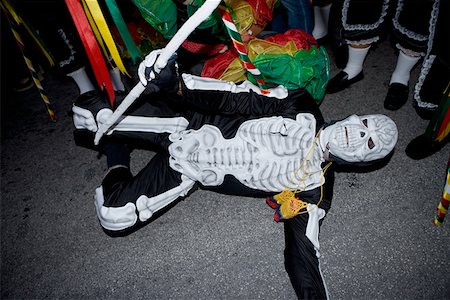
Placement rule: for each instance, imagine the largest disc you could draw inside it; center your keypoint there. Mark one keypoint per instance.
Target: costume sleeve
(214, 96)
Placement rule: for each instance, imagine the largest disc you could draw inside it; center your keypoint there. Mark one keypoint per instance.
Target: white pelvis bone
(267, 154)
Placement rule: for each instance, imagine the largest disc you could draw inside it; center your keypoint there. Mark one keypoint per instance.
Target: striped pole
(230, 25)
(445, 201)
(33, 72)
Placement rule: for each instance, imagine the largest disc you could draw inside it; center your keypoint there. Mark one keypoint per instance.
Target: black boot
(422, 147)
(341, 82)
(396, 97)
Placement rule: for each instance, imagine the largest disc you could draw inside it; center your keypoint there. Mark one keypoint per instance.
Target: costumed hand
(286, 205)
(90, 111)
(165, 79)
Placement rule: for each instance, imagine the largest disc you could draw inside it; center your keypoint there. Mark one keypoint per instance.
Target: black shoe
(422, 147)
(341, 82)
(397, 96)
(323, 40)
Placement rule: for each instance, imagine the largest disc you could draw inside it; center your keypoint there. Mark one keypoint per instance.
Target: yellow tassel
(290, 206)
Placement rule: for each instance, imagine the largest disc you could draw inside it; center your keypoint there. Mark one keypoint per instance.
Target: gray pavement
(377, 242)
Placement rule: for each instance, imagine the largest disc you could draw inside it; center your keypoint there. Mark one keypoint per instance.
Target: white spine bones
(268, 154)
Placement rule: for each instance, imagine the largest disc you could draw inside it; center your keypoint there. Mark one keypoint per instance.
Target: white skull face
(362, 138)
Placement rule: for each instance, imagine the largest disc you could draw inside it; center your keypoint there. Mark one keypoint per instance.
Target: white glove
(149, 62)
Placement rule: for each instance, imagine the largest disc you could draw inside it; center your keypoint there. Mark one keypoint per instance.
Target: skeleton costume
(233, 139)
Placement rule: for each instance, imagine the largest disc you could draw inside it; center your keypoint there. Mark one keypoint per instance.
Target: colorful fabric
(292, 59)
(304, 68)
(199, 48)
(145, 37)
(160, 14)
(212, 22)
(439, 127)
(106, 35)
(445, 200)
(286, 205)
(123, 31)
(91, 46)
(251, 12)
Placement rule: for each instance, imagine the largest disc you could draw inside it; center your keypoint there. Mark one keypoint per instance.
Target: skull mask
(360, 138)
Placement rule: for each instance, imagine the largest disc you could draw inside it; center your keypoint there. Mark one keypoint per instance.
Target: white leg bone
(148, 206)
(114, 218)
(315, 214)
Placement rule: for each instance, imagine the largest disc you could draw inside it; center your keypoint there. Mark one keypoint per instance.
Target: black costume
(227, 111)
(435, 72)
(365, 22)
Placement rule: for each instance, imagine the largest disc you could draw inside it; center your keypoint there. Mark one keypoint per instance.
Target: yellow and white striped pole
(28, 62)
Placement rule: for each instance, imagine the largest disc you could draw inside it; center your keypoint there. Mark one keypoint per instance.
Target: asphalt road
(377, 242)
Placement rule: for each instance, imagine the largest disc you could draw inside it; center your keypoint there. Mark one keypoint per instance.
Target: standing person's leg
(353, 71)
(363, 24)
(321, 12)
(299, 14)
(398, 86)
(412, 25)
(279, 19)
(56, 28)
(435, 71)
(437, 133)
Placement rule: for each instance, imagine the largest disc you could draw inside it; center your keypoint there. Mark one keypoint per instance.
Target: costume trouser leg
(302, 256)
(124, 201)
(302, 243)
(363, 22)
(58, 33)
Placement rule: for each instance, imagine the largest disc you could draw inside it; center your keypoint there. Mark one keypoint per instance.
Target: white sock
(321, 16)
(82, 80)
(356, 57)
(405, 64)
(116, 79)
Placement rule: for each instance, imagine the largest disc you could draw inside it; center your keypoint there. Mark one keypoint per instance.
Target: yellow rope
(298, 206)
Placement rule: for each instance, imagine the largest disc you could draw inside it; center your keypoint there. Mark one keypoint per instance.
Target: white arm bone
(151, 124)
